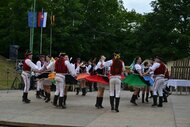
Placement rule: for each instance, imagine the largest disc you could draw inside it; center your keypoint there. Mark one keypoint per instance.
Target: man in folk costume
(28, 65)
(159, 75)
(62, 67)
(116, 69)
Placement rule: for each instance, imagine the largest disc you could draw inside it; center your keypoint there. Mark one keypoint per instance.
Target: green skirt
(134, 80)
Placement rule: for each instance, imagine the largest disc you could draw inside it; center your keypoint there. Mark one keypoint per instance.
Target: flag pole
(51, 31)
(32, 30)
(41, 40)
(41, 35)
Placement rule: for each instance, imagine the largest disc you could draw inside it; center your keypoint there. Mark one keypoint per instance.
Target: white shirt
(110, 62)
(138, 68)
(70, 68)
(77, 69)
(88, 68)
(39, 64)
(100, 65)
(31, 64)
(50, 68)
(155, 66)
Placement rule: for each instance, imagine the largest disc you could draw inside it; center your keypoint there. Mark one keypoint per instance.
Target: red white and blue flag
(42, 18)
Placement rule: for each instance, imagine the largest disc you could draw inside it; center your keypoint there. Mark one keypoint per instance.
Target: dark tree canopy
(90, 28)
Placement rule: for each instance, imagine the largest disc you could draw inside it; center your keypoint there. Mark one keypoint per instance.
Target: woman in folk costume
(116, 69)
(69, 80)
(90, 70)
(28, 65)
(39, 85)
(47, 82)
(81, 68)
(77, 69)
(62, 67)
(149, 81)
(135, 79)
(100, 70)
(159, 77)
(151, 74)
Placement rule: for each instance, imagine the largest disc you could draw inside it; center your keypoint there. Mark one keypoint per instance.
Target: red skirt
(99, 79)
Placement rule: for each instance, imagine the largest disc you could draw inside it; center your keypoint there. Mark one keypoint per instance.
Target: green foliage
(90, 28)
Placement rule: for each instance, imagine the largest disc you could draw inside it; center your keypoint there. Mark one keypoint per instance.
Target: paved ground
(81, 111)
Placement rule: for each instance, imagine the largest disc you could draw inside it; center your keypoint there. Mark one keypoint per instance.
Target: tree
(166, 30)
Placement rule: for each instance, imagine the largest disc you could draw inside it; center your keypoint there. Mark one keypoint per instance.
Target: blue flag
(32, 16)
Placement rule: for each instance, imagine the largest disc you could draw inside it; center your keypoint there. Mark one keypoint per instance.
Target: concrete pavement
(81, 111)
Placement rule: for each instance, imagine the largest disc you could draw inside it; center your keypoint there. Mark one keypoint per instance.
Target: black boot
(61, 103)
(24, 98)
(165, 98)
(142, 98)
(27, 97)
(112, 102)
(117, 99)
(138, 95)
(55, 100)
(133, 98)
(84, 91)
(42, 93)
(78, 90)
(160, 102)
(97, 102)
(100, 102)
(64, 100)
(147, 94)
(90, 87)
(38, 95)
(47, 97)
(151, 94)
(154, 100)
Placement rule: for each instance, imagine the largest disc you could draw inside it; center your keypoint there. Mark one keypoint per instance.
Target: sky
(140, 6)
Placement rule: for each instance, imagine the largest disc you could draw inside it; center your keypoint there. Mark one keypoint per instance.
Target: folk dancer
(62, 67)
(159, 75)
(39, 85)
(28, 65)
(116, 69)
(135, 79)
(100, 70)
(47, 82)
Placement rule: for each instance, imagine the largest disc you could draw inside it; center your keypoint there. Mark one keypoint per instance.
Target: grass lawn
(7, 73)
